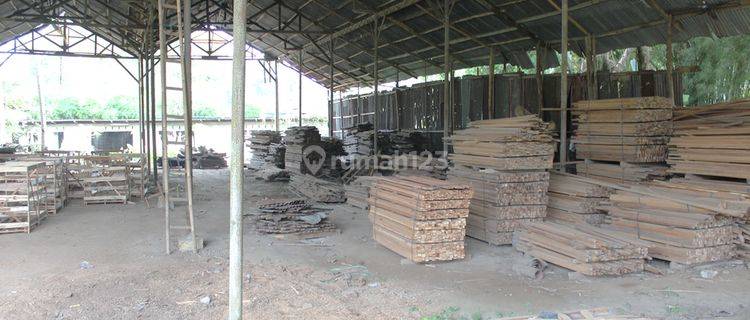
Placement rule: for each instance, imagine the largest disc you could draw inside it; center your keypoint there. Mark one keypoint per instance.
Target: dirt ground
(108, 262)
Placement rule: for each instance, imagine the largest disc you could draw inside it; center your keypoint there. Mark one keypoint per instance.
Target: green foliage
(724, 72)
(204, 113)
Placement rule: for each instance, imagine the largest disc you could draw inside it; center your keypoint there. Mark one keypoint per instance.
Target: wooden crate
(104, 185)
(23, 203)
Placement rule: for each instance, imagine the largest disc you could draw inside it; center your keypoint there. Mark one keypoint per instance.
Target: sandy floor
(342, 276)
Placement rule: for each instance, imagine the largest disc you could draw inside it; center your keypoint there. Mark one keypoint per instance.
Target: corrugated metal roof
(411, 40)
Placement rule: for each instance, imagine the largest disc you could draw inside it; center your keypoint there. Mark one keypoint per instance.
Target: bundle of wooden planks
(260, 143)
(317, 189)
(505, 161)
(293, 216)
(358, 191)
(626, 129)
(681, 222)
(359, 141)
(420, 218)
(576, 199)
(296, 140)
(622, 171)
(583, 248)
(712, 140)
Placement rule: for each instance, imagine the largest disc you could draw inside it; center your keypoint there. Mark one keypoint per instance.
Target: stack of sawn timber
(506, 162)
(422, 219)
(358, 191)
(622, 172)
(712, 140)
(576, 199)
(359, 141)
(317, 189)
(682, 222)
(296, 140)
(628, 129)
(261, 142)
(583, 248)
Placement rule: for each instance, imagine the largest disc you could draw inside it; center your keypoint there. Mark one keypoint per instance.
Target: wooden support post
(539, 80)
(639, 59)
(670, 63)
(564, 88)
(592, 91)
(491, 84)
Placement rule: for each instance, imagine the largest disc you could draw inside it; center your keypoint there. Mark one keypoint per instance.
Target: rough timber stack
(420, 218)
(359, 141)
(582, 248)
(576, 199)
(506, 162)
(682, 222)
(628, 130)
(296, 140)
(358, 191)
(261, 143)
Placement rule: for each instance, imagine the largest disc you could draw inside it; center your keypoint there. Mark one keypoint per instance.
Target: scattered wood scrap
(583, 248)
(294, 216)
(576, 199)
(207, 158)
(712, 140)
(505, 161)
(317, 189)
(420, 218)
(626, 129)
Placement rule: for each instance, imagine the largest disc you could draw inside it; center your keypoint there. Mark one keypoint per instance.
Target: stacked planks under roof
(261, 142)
(358, 191)
(682, 222)
(420, 218)
(296, 140)
(586, 249)
(359, 141)
(576, 199)
(622, 172)
(627, 129)
(712, 140)
(506, 162)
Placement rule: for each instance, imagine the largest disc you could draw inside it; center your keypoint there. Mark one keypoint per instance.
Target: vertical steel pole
(447, 107)
(670, 57)
(141, 146)
(564, 88)
(276, 88)
(187, 96)
(236, 184)
(491, 84)
(330, 105)
(164, 139)
(153, 119)
(300, 88)
(375, 121)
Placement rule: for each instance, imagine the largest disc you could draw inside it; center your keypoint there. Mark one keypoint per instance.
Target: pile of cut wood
(358, 191)
(418, 165)
(359, 141)
(627, 129)
(296, 140)
(623, 171)
(506, 162)
(295, 216)
(681, 221)
(331, 166)
(576, 199)
(420, 218)
(583, 248)
(261, 142)
(317, 189)
(712, 140)
(209, 159)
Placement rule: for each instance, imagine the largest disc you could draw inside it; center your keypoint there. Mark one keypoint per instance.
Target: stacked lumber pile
(317, 189)
(359, 141)
(421, 219)
(576, 199)
(358, 191)
(418, 165)
(506, 163)
(332, 168)
(23, 195)
(628, 129)
(623, 171)
(295, 216)
(207, 158)
(583, 248)
(712, 140)
(296, 140)
(401, 142)
(261, 143)
(682, 222)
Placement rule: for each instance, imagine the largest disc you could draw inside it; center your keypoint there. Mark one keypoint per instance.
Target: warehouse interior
(528, 189)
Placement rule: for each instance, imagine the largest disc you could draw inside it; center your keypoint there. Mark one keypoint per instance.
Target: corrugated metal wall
(420, 107)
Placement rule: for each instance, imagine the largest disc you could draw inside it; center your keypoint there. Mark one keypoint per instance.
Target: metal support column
(276, 90)
(376, 71)
(236, 156)
(141, 104)
(670, 57)
(187, 102)
(491, 84)
(330, 103)
(564, 88)
(299, 120)
(447, 105)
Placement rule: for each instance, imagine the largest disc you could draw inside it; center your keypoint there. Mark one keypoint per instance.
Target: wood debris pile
(264, 146)
(627, 129)
(209, 159)
(576, 199)
(583, 248)
(295, 216)
(506, 163)
(681, 221)
(420, 218)
(712, 140)
(317, 189)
